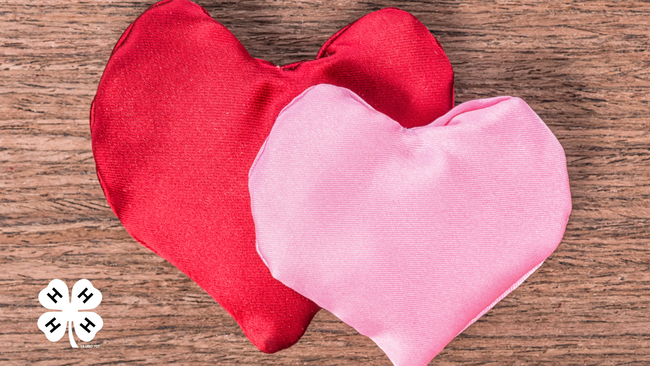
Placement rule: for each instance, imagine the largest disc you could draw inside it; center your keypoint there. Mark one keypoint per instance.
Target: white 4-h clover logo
(84, 297)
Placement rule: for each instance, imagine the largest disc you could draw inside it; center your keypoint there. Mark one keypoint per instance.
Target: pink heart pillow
(407, 235)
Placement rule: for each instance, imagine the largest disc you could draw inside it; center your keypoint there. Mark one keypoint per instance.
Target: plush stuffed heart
(183, 109)
(407, 235)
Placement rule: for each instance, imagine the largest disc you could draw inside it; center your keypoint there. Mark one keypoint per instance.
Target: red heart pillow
(181, 112)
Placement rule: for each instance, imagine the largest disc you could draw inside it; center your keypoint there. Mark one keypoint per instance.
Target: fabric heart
(181, 112)
(407, 235)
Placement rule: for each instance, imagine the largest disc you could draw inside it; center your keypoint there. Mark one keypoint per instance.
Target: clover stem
(72, 342)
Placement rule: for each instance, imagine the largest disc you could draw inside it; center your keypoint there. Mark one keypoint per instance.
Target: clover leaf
(84, 297)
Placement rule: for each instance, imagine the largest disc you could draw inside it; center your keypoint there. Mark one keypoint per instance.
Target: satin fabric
(182, 110)
(407, 235)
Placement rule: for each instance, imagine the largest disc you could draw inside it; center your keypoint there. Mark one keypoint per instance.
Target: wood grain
(582, 66)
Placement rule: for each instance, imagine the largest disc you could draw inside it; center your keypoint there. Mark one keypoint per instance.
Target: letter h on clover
(84, 297)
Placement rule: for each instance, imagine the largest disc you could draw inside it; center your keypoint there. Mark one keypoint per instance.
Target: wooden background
(582, 65)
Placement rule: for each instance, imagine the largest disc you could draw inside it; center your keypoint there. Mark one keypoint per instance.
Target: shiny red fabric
(181, 112)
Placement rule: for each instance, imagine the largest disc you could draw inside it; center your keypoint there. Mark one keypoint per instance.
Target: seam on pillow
(105, 188)
(127, 32)
(339, 33)
(502, 296)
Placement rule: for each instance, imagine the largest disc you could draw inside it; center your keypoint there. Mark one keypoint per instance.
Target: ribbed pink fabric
(407, 235)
